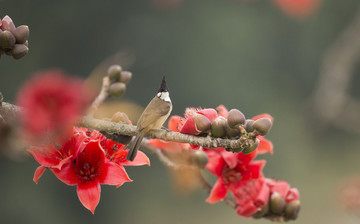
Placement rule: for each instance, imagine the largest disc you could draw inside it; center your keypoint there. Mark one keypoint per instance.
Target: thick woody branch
(130, 130)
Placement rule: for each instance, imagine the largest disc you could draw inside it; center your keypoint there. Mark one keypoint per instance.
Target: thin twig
(103, 95)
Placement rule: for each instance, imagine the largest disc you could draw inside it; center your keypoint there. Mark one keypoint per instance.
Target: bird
(153, 117)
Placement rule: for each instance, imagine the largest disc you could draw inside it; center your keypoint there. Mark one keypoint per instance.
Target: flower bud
(292, 209)
(263, 211)
(21, 33)
(218, 127)
(7, 24)
(120, 117)
(235, 118)
(19, 51)
(277, 203)
(7, 40)
(203, 123)
(262, 126)
(125, 77)
(117, 89)
(231, 132)
(200, 158)
(251, 148)
(114, 72)
(249, 125)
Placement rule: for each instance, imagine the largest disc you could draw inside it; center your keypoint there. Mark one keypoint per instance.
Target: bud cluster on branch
(13, 40)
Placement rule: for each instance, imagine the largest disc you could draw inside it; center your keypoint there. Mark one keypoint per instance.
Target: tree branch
(103, 95)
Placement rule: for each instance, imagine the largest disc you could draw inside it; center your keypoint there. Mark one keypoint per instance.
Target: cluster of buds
(278, 209)
(13, 40)
(235, 126)
(119, 79)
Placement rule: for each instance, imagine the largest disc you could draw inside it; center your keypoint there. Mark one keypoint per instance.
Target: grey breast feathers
(156, 109)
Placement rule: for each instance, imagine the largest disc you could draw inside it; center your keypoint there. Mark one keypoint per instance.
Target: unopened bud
(200, 158)
(19, 51)
(7, 40)
(218, 127)
(7, 24)
(235, 118)
(251, 148)
(292, 209)
(117, 89)
(263, 211)
(249, 125)
(231, 132)
(114, 72)
(203, 123)
(277, 203)
(262, 126)
(125, 77)
(21, 34)
(120, 117)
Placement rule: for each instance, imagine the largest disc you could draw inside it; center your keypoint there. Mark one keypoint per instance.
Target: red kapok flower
(298, 8)
(51, 102)
(88, 171)
(56, 155)
(231, 173)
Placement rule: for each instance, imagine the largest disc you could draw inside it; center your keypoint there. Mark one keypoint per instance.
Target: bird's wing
(153, 112)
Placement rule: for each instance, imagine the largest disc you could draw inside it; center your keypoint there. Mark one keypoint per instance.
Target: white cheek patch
(164, 96)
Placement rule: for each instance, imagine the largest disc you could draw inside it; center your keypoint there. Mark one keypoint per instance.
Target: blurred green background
(245, 55)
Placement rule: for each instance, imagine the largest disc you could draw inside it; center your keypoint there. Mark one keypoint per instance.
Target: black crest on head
(163, 86)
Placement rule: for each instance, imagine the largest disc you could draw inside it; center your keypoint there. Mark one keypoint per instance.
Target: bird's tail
(135, 146)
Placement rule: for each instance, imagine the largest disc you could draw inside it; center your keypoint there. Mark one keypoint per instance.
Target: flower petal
(89, 194)
(216, 163)
(210, 113)
(175, 123)
(113, 174)
(222, 111)
(189, 127)
(281, 187)
(41, 157)
(264, 146)
(218, 192)
(38, 173)
(293, 194)
(140, 159)
(62, 162)
(230, 158)
(253, 170)
(263, 115)
(66, 174)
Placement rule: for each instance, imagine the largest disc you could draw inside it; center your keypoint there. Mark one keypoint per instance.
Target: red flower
(298, 8)
(189, 126)
(87, 159)
(231, 172)
(283, 189)
(88, 171)
(56, 155)
(51, 102)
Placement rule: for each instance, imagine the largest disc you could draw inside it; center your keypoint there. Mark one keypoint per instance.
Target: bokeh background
(249, 55)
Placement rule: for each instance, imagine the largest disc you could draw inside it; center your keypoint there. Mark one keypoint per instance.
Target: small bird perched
(153, 117)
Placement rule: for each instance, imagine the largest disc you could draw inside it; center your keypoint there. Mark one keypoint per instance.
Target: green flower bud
(218, 127)
(21, 33)
(262, 126)
(114, 72)
(19, 51)
(125, 77)
(202, 123)
(292, 209)
(200, 158)
(7, 40)
(277, 203)
(120, 117)
(249, 125)
(263, 211)
(235, 118)
(231, 132)
(117, 89)
(251, 148)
